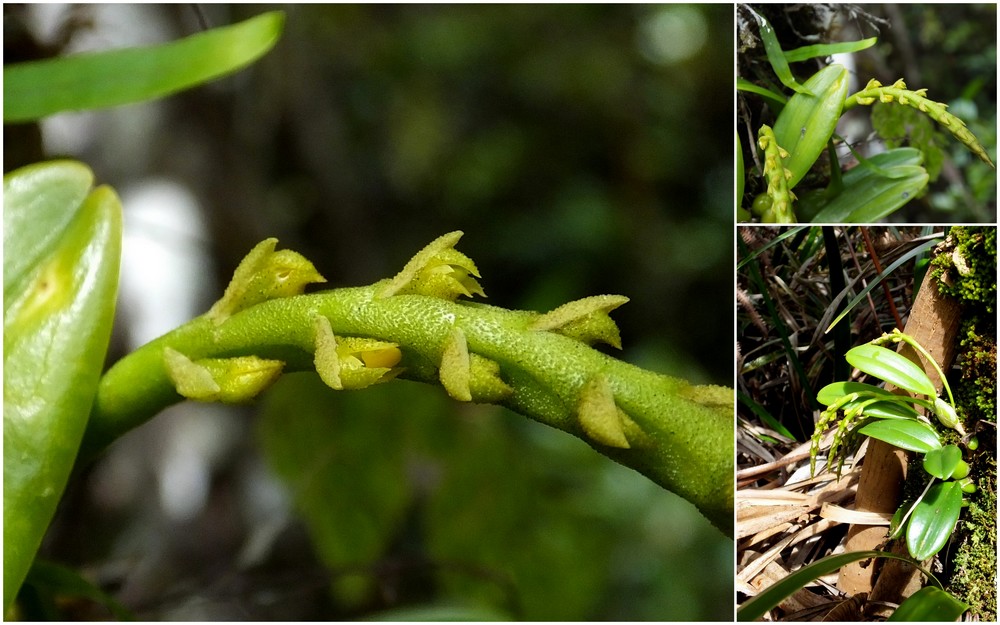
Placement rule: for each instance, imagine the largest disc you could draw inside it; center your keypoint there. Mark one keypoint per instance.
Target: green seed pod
(973, 444)
(807, 122)
(947, 416)
(961, 470)
(761, 204)
(968, 486)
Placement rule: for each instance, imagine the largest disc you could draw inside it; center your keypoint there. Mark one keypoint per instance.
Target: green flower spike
(918, 100)
(262, 275)
(414, 324)
(777, 178)
(438, 270)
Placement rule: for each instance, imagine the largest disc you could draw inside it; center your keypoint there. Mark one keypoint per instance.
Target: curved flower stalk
(918, 100)
(413, 326)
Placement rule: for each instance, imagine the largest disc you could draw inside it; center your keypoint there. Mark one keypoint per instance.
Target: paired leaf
(36, 89)
(933, 519)
(892, 367)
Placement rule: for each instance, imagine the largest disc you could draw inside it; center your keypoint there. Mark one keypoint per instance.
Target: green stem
(677, 434)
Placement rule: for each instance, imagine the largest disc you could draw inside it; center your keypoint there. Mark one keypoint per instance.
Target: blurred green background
(582, 149)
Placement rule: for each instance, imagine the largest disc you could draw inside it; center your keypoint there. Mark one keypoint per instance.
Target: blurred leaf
(59, 583)
(899, 125)
(933, 519)
(439, 613)
(36, 89)
(478, 518)
(343, 467)
(929, 604)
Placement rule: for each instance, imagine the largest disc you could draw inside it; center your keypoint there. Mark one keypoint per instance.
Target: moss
(966, 266)
(973, 568)
(975, 392)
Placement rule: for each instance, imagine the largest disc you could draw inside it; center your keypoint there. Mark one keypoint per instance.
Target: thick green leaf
(832, 392)
(807, 122)
(40, 219)
(933, 519)
(891, 367)
(942, 462)
(907, 434)
(57, 324)
(771, 596)
(872, 193)
(930, 604)
(35, 89)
